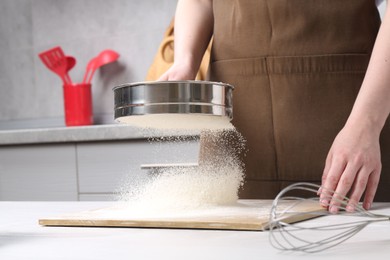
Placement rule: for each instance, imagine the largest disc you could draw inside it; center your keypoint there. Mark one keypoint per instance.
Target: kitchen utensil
(308, 238)
(173, 97)
(78, 104)
(56, 61)
(105, 57)
(71, 62)
(244, 215)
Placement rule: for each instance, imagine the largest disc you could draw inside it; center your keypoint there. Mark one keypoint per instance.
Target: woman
(308, 73)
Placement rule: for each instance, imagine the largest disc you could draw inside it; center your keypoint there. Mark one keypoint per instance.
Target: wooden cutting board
(245, 215)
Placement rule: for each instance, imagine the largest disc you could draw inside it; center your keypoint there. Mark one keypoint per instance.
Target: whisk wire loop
(304, 237)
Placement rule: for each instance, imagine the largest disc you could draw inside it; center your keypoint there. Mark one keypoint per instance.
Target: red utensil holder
(78, 104)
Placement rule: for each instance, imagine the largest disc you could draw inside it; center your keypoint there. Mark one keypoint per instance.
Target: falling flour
(215, 182)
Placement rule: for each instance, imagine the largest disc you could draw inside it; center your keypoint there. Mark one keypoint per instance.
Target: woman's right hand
(194, 22)
(178, 72)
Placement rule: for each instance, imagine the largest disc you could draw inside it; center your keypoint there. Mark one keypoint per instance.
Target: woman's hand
(194, 23)
(352, 167)
(178, 72)
(354, 161)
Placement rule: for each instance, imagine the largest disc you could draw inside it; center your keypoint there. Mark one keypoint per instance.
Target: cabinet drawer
(102, 166)
(38, 172)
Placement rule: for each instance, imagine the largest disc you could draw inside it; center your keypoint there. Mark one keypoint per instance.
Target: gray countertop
(79, 134)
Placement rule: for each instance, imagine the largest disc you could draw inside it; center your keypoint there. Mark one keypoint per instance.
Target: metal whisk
(308, 237)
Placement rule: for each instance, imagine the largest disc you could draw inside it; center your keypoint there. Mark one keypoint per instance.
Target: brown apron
(297, 66)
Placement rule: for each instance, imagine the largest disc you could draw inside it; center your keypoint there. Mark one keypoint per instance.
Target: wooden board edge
(152, 224)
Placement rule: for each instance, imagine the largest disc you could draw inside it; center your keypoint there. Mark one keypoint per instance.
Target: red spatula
(56, 61)
(105, 57)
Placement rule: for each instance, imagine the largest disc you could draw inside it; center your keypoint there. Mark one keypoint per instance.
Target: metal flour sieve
(173, 97)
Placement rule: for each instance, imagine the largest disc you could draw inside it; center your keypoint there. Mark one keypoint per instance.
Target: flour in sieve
(170, 124)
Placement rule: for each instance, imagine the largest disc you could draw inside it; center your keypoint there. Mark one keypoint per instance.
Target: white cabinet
(38, 172)
(103, 166)
(82, 170)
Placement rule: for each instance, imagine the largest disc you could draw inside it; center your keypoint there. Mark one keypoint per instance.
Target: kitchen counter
(78, 134)
(22, 238)
(81, 163)
(84, 162)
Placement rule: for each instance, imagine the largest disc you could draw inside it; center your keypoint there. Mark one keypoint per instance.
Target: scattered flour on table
(215, 182)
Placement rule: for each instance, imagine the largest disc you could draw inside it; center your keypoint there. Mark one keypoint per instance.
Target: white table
(22, 238)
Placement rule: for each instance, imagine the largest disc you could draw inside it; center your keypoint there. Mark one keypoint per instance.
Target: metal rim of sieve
(173, 97)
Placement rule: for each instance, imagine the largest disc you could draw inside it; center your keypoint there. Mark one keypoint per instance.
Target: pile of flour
(216, 181)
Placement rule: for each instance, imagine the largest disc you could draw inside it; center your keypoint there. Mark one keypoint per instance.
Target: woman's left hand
(353, 166)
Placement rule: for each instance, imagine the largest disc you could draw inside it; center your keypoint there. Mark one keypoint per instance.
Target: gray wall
(381, 6)
(30, 94)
